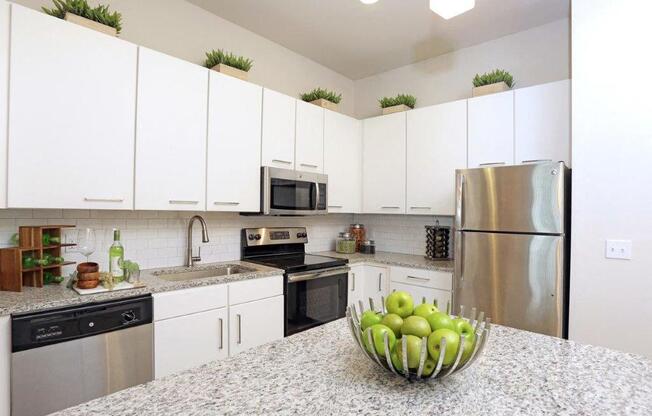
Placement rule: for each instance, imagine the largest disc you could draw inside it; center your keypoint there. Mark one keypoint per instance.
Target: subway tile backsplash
(158, 238)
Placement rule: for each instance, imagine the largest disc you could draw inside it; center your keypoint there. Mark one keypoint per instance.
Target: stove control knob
(257, 236)
(251, 236)
(303, 235)
(299, 235)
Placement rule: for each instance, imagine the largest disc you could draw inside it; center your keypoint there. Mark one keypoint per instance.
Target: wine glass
(86, 241)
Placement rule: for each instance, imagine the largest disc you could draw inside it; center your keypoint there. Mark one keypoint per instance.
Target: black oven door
(315, 298)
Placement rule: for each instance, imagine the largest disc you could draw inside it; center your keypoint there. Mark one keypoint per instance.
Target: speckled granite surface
(395, 259)
(322, 372)
(56, 296)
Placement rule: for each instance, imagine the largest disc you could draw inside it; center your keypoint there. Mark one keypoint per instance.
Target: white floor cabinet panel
(309, 137)
(170, 133)
(255, 323)
(342, 162)
(189, 341)
(436, 146)
(376, 285)
(442, 297)
(279, 115)
(72, 118)
(234, 131)
(491, 130)
(356, 286)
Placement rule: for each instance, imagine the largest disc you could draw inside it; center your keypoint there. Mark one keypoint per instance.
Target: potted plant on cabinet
(497, 80)
(228, 63)
(78, 11)
(401, 102)
(323, 98)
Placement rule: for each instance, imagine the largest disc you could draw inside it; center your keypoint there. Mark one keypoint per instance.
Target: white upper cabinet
(542, 122)
(491, 130)
(309, 137)
(234, 130)
(436, 146)
(279, 113)
(4, 84)
(343, 162)
(72, 118)
(383, 164)
(170, 133)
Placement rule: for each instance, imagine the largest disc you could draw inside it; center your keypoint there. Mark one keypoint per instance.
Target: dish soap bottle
(116, 256)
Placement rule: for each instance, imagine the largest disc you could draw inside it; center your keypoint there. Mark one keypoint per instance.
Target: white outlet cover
(618, 249)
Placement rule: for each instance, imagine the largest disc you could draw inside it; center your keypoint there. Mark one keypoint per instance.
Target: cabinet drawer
(254, 289)
(184, 302)
(441, 297)
(419, 277)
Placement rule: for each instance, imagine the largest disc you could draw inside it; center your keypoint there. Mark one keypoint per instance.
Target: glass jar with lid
(345, 243)
(358, 232)
(368, 247)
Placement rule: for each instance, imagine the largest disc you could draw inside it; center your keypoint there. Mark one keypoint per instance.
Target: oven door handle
(299, 277)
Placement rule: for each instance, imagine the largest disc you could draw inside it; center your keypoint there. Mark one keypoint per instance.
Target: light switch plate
(618, 249)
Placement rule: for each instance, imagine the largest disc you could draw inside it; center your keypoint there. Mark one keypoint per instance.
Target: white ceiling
(360, 40)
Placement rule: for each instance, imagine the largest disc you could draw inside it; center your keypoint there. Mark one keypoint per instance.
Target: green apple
(428, 367)
(416, 325)
(394, 322)
(378, 337)
(413, 350)
(398, 364)
(463, 327)
(370, 318)
(440, 320)
(467, 351)
(425, 309)
(452, 345)
(400, 303)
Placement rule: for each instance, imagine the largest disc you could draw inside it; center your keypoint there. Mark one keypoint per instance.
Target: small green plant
(100, 14)
(497, 75)
(406, 99)
(318, 93)
(216, 57)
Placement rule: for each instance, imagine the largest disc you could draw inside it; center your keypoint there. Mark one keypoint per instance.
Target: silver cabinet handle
(380, 282)
(239, 328)
(492, 163)
(226, 203)
(390, 207)
(308, 165)
(536, 161)
(352, 282)
(103, 199)
(420, 207)
(425, 279)
(335, 206)
(287, 162)
(221, 333)
(183, 202)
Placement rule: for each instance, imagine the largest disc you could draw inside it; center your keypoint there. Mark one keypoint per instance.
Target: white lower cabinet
(434, 286)
(442, 297)
(356, 285)
(376, 285)
(5, 365)
(189, 341)
(255, 323)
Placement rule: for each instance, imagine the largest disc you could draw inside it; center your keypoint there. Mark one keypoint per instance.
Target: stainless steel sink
(178, 275)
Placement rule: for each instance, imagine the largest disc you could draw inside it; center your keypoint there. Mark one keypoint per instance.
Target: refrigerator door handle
(459, 257)
(459, 219)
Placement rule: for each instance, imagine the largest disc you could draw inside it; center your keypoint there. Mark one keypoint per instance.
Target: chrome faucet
(190, 259)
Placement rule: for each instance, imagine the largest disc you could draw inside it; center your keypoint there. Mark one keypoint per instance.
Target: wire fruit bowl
(481, 328)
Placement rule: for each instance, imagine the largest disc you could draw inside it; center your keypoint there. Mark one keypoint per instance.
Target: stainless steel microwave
(290, 192)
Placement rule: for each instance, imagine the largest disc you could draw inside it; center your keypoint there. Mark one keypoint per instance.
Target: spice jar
(358, 232)
(345, 244)
(368, 247)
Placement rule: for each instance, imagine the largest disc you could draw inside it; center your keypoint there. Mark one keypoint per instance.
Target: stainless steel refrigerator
(512, 245)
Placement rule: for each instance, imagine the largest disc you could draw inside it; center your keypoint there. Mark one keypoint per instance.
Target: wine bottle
(116, 256)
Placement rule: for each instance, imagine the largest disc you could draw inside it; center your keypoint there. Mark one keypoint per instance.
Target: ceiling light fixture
(368, 1)
(450, 8)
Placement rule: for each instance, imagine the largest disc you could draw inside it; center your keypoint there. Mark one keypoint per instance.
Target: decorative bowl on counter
(426, 356)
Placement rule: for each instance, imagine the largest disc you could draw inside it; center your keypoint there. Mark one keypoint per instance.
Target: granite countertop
(322, 371)
(395, 259)
(55, 296)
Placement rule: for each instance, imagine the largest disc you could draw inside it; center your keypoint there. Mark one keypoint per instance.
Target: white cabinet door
(491, 130)
(376, 285)
(343, 162)
(542, 122)
(190, 341)
(436, 146)
(441, 297)
(170, 133)
(4, 83)
(383, 162)
(234, 129)
(279, 113)
(255, 323)
(356, 286)
(72, 118)
(310, 137)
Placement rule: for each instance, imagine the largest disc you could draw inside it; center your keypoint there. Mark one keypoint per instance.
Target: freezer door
(527, 198)
(516, 279)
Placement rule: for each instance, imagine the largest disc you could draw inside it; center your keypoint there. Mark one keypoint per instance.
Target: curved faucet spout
(190, 259)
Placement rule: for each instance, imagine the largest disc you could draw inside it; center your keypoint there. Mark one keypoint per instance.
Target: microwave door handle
(316, 196)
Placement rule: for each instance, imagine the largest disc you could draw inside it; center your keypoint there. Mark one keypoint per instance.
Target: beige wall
(186, 31)
(611, 300)
(534, 56)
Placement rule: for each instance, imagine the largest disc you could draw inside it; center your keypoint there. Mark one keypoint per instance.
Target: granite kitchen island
(322, 371)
